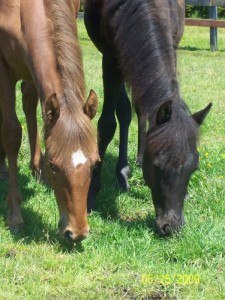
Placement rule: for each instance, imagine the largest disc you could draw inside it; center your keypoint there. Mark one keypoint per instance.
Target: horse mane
(142, 32)
(73, 126)
(142, 35)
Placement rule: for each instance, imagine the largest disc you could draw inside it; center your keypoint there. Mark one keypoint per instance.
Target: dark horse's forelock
(73, 122)
(173, 139)
(145, 48)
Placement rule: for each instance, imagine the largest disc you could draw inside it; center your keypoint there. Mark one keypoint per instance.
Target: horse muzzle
(75, 236)
(168, 224)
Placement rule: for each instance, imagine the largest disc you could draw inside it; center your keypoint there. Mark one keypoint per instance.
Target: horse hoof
(122, 178)
(15, 227)
(14, 218)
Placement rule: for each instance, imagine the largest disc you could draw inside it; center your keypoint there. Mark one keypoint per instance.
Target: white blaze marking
(78, 158)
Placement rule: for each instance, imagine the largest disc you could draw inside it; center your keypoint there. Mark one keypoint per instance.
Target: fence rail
(205, 23)
(212, 22)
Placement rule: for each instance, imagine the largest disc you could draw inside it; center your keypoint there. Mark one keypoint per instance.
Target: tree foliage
(193, 11)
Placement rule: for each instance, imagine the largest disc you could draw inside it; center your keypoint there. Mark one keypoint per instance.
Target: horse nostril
(166, 230)
(69, 236)
(72, 237)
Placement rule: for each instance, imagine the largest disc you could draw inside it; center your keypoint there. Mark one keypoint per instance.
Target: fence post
(213, 31)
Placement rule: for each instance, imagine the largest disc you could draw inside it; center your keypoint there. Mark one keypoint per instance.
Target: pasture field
(123, 258)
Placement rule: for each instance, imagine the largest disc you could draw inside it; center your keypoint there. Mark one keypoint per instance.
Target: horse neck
(44, 53)
(42, 60)
(147, 56)
(158, 71)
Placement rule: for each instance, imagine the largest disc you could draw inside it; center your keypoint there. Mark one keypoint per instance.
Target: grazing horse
(138, 41)
(38, 44)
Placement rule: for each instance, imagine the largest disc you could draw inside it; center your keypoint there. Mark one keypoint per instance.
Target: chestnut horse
(138, 41)
(38, 44)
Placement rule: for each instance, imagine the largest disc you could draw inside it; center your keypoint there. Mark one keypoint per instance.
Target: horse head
(170, 158)
(69, 163)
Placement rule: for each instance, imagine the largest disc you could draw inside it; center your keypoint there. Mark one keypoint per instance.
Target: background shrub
(202, 11)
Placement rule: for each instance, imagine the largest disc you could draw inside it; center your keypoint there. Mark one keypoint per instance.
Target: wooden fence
(212, 22)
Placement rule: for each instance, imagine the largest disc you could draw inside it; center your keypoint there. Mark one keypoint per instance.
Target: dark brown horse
(138, 41)
(38, 43)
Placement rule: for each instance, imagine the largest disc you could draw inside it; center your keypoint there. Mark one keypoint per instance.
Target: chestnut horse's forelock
(72, 123)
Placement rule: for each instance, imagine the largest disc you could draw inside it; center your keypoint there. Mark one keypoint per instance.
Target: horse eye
(52, 167)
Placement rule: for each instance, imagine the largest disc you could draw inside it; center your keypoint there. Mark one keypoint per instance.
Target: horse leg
(30, 102)
(3, 167)
(107, 122)
(11, 133)
(123, 112)
(141, 135)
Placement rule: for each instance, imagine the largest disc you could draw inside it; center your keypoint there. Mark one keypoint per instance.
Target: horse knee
(123, 111)
(107, 127)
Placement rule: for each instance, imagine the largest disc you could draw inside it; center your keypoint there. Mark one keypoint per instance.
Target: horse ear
(52, 110)
(164, 113)
(91, 105)
(199, 116)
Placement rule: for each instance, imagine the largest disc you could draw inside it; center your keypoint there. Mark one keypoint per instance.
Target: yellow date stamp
(168, 279)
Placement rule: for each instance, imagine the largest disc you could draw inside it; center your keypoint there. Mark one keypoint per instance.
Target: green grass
(122, 246)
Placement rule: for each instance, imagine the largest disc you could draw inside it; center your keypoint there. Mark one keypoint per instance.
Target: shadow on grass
(25, 190)
(190, 48)
(35, 229)
(106, 199)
